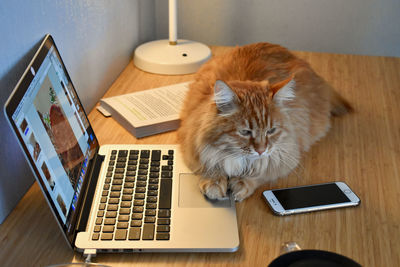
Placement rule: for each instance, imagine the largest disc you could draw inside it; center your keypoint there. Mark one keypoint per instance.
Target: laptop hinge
(88, 197)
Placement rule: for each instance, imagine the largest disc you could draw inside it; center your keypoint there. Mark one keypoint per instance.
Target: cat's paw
(214, 188)
(241, 188)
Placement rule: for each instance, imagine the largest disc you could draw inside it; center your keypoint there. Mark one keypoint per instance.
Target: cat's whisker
(295, 161)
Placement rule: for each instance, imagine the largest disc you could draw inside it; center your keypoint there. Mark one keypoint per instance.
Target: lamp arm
(173, 22)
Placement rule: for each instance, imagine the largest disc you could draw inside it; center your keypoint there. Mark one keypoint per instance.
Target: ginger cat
(250, 114)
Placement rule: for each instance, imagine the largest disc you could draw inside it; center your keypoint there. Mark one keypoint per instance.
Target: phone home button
(347, 191)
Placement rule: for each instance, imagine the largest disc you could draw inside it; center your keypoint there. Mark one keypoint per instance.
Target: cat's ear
(225, 98)
(284, 90)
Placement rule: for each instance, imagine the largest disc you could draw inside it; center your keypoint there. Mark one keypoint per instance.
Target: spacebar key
(165, 194)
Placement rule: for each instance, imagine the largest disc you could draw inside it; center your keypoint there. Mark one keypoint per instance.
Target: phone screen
(318, 195)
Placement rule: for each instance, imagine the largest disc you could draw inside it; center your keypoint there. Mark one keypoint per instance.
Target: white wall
(96, 39)
(337, 26)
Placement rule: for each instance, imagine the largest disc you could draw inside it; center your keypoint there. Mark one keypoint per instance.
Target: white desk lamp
(171, 56)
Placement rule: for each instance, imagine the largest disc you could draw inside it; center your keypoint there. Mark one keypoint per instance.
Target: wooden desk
(362, 149)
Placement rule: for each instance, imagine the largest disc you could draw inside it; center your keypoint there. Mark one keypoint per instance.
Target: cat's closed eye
(271, 131)
(245, 132)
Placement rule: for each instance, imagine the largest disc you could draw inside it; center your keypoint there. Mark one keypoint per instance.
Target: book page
(152, 105)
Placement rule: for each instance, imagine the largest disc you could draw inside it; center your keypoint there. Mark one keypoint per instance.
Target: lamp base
(163, 58)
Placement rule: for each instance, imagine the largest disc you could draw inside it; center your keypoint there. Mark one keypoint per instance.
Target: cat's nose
(260, 150)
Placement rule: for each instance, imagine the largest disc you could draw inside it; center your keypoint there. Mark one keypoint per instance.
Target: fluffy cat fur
(250, 114)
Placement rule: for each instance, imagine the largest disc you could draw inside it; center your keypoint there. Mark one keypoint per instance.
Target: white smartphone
(310, 198)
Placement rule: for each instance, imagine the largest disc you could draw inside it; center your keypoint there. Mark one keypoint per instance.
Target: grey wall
(96, 39)
(338, 26)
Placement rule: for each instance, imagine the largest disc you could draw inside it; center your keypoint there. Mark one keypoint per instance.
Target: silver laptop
(111, 198)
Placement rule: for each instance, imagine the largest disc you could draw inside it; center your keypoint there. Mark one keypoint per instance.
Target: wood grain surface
(361, 149)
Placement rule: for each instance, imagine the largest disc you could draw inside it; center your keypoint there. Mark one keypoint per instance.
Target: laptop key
(166, 174)
(136, 223)
(113, 201)
(95, 236)
(164, 221)
(151, 199)
(155, 163)
(120, 164)
(109, 221)
(124, 210)
(138, 202)
(117, 182)
(111, 214)
(137, 216)
(165, 193)
(139, 196)
(154, 169)
(162, 236)
(150, 212)
(121, 159)
(116, 188)
(108, 228)
(132, 161)
(125, 204)
(141, 184)
(152, 193)
(166, 168)
(129, 185)
(127, 191)
(122, 225)
(144, 161)
(134, 233)
(148, 231)
(106, 236)
(145, 154)
(119, 170)
(151, 205)
(132, 169)
(142, 178)
(140, 190)
(154, 175)
(129, 179)
(123, 218)
(142, 172)
(112, 207)
(143, 167)
(156, 155)
(126, 198)
(115, 194)
(118, 176)
(130, 173)
(164, 213)
(149, 219)
(123, 153)
(163, 228)
(138, 209)
(121, 234)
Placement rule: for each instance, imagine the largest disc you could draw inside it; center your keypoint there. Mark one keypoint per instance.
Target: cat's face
(249, 124)
(252, 120)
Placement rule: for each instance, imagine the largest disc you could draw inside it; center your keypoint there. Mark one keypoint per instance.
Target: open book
(147, 112)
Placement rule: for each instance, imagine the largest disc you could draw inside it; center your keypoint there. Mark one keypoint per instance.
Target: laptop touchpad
(191, 197)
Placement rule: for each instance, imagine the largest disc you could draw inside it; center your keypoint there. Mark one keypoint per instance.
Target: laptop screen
(54, 130)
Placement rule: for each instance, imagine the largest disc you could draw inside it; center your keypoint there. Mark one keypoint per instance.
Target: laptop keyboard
(136, 196)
